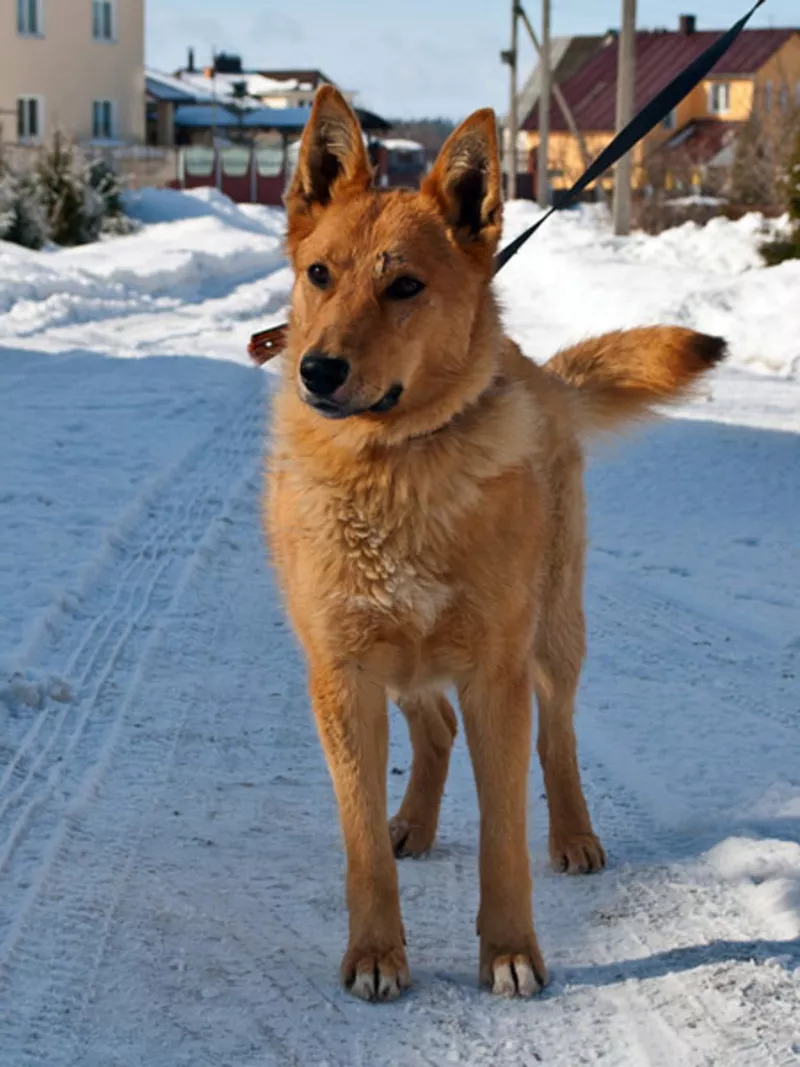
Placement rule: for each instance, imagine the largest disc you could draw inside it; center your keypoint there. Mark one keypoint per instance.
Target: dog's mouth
(389, 399)
(333, 410)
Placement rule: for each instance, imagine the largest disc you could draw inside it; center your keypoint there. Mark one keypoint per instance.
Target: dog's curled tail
(623, 375)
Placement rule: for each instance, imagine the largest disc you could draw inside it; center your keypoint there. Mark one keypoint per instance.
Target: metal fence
(136, 165)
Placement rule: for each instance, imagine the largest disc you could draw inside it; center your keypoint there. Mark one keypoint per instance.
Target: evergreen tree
(74, 209)
(22, 217)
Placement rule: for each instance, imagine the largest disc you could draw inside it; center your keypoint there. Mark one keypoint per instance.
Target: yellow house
(761, 70)
(72, 65)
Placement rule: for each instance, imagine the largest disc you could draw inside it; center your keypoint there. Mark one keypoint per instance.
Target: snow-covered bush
(73, 207)
(106, 183)
(61, 197)
(6, 203)
(23, 220)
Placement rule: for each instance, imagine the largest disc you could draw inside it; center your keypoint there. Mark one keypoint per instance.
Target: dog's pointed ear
(332, 161)
(465, 182)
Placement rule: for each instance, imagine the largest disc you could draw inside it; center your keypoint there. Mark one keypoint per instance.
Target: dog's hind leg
(559, 653)
(432, 726)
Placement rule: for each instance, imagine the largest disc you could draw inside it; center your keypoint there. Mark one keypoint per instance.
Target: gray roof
(567, 54)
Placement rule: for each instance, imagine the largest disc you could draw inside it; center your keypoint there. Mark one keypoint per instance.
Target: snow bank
(575, 278)
(152, 206)
(192, 246)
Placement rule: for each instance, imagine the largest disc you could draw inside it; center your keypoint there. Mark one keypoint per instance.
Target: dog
(425, 512)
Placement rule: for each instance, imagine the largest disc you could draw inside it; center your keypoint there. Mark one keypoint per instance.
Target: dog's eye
(404, 287)
(319, 275)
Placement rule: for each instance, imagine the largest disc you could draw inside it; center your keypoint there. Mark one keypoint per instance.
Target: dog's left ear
(332, 162)
(465, 183)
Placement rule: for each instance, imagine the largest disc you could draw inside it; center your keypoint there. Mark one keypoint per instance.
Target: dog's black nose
(323, 374)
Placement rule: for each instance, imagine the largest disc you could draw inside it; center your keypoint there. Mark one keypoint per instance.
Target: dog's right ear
(332, 162)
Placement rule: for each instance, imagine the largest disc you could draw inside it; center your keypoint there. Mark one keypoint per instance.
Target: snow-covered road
(171, 874)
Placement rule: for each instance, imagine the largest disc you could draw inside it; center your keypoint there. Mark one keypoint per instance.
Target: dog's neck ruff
(495, 386)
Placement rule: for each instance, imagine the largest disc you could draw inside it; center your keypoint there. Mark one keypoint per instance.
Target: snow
(223, 87)
(179, 87)
(171, 874)
(402, 144)
(582, 279)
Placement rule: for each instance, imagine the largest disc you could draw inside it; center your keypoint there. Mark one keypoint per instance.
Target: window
(29, 118)
(783, 98)
(719, 97)
(670, 121)
(29, 18)
(103, 20)
(103, 120)
(768, 97)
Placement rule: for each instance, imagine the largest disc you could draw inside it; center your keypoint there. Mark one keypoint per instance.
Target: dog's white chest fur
(384, 573)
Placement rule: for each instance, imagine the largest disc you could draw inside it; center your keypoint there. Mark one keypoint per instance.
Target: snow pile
(574, 279)
(150, 206)
(192, 246)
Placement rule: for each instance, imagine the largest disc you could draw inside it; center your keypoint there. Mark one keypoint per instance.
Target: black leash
(649, 117)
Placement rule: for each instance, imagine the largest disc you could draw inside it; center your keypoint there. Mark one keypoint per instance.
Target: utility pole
(559, 97)
(512, 107)
(561, 100)
(214, 149)
(543, 165)
(626, 84)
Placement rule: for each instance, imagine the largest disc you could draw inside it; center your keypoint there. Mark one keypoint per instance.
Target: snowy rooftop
(225, 85)
(169, 87)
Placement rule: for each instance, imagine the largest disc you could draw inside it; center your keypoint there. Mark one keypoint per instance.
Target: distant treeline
(431, 133)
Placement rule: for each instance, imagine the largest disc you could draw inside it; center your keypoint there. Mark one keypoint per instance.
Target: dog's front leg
(496, 705)
(352, 718)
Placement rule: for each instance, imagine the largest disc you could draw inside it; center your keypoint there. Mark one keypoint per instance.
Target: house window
(103, 20)
(768, 97)
(783, 98)
(670, 120)
(719, 97)
(29, 18)
(29, 118)
(103, 120)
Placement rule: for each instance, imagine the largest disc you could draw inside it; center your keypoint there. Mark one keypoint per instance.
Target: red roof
(701, 139)
(660, 56)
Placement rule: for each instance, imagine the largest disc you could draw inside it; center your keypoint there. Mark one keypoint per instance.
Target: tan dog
(426, 515)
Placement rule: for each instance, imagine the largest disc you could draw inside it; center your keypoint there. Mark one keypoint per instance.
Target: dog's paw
(577, 854)
(375, 976)
(514, 974)
(410, 838)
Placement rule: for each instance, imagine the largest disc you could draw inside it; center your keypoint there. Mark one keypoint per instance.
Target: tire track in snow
(61, 966)
(48, 783)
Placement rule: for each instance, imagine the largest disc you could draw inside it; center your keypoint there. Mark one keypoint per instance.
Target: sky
(414, 58)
